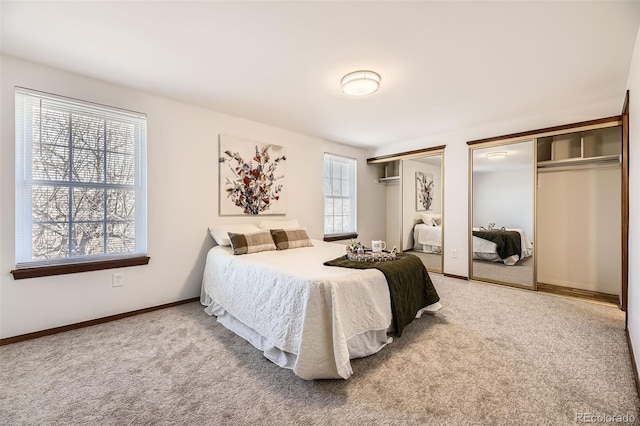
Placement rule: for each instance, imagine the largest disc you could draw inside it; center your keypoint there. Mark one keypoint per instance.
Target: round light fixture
(497, 154)
(360, 83)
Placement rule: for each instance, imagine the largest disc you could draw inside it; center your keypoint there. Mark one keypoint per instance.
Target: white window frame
(27, 103)
(333, 194)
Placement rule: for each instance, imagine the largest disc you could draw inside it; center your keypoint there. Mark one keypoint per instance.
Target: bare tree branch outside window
(83, 193)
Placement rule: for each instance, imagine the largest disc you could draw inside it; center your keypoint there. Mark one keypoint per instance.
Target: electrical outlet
(117, 280)
(454, 253)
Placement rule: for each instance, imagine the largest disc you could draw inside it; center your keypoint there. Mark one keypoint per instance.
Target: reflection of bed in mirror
(508, 245)
(427, 238)
(427, 233)
(421, 201)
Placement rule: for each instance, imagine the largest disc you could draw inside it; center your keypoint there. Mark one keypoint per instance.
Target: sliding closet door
(502, 202)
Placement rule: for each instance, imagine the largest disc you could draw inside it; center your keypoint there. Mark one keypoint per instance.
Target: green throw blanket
(507, 242)
(409, 284)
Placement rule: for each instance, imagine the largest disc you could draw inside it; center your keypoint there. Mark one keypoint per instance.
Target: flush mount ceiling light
(360, 83)
(497, 154)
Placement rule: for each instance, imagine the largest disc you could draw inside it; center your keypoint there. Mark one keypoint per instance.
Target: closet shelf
(580, 160)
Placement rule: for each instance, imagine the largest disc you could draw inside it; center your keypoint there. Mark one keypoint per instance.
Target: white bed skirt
(426, 248)
(364, 344)
(493, 257)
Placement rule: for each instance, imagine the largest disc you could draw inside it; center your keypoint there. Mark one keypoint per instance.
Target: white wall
(633, 301)
(409, 212)
(504, 197)
(182, 201)
(392, 236)
(578, 239)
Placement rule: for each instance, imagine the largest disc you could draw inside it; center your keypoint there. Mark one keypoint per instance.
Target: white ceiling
(444, 65)
(519, 156)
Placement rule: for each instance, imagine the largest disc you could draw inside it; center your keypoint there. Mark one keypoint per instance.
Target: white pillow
(220, 233)
(431, 219)
(279, 224)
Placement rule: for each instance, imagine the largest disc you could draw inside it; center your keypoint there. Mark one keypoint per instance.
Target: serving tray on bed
(369, 256)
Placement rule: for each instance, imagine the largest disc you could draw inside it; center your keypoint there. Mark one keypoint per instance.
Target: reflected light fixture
(497, 154)
(360, 83)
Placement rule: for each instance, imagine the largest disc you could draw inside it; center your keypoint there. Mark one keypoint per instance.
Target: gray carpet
(432, 261)
(520, 273)
(493, 355)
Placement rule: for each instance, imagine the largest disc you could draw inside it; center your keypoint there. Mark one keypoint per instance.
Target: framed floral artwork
(252, 177)
(424, 191)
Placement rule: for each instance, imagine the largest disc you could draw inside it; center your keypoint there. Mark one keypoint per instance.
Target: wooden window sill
(340, 237)
(47, 271)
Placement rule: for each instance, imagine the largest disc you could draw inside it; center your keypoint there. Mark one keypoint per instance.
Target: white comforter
(299, 306)
(427, 234)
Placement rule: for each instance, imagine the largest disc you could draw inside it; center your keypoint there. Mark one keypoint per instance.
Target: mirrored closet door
(414, 191)
(502, 205)
(422, 206)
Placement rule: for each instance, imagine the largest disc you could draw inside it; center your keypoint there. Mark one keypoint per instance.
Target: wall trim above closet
(407, 155)
(615, 120)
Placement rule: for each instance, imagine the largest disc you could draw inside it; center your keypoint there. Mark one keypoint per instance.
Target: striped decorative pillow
(251, 243)
(290, 238)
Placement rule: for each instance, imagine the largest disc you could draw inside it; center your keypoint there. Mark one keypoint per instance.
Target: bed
(301, 314)
(427, 233)
(492, 251)
(427, 238)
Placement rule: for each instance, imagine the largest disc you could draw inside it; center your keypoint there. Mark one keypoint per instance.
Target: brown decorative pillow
(251, 243)
(290, 238)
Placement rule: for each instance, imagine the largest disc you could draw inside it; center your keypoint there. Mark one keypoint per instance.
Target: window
(339, 196)
(80, 182)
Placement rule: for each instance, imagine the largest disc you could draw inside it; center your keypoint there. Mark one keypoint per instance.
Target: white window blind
(339, 194)
(80, 181)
